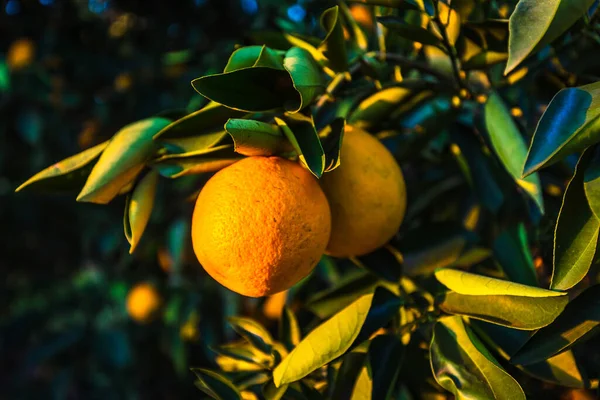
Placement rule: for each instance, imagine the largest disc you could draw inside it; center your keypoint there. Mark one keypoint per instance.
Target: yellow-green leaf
(138, 208)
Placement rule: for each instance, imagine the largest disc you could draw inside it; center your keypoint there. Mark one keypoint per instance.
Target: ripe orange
(367, 195)
(260, 225)
(142, 302)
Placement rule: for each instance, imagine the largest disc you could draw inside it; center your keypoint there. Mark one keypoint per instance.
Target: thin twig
(450, 48)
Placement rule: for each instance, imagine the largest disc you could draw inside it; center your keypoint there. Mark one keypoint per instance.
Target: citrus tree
(414, 183)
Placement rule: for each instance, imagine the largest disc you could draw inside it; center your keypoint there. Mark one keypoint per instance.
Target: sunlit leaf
(509, 145)
(302, 134)
(305, 75)
(462, 365)
(256, 138)
(122, 160)
(272, 392)
(196, 162)
(66, 174)
(579, 321)
(289, 330)
(347, 374)
(535, 23)
(138, 208)
(216, 385)
(325, 343)
(484, 60)
(334, 46)
(253, 332)
(377, 106)
(363, 385)
(332, 137)
(591, 183)
(569, 125)
(576, 234)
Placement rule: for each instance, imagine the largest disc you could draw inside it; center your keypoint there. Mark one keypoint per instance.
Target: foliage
(495, 279)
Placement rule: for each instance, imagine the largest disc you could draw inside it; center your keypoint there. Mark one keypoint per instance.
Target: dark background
(96, 66)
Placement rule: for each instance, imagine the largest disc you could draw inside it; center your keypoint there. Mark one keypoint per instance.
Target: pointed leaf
(569, 125)
(306, 77)
(535, 23)
(256, 138)
(196, 162)
(334, 44)
(289, 330)
(509, 145)
(325, 343)
(499, 302)
(332, 137)
(206, 120)
(253, 332)
(462, 365)
(272, 392)
(374, 108)
(300, 131)
(216, 385)
(484, 60)
(347, 374)
(122, 160)
(363, 386)
(511, 249)
(410, 31)
(386, 353)
(68, 173)
(384, 306)
(579, 321)
(138, 208)
(195, 143)
(576, 234)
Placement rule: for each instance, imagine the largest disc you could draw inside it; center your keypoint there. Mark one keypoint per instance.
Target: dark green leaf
(511, 249)
(409, 31)
(289, 330)
(244, 351)
(254, 56)
(385, 262)
(498, 301)
(196, 143)
(215, 385)
(386, 354)
(576, 234)
(256, 138)
(253, 332)
(327, 303)
(206, 120)
(138, 208)
(66, 174)
(579, 321)
(535, 23)
(306, 78)
(122, 160)
(462, 365)
(334, 45)
(302, 134)
(509, 145)
(352, 365)
(384, 306)
(196, 162)
(325, 343)
(272, 392)
(331, 140)
(568, 126)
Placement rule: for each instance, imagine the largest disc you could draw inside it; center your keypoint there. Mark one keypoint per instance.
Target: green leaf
(253, 332)
(386, 354)
(332, 137)
(328, 302)
(576, 234)
(251, 56)
(347, 374)
(511, 249)
(256, 138)
(536, 23)
(325, 343)
(334, 45)
(410, 31)
(302, 134)
(216, 385)
(484, 60)
(363, 386)
(498, 301)
(272, 392)
(195, 143)
(122, 160)
(66, 174)
(579, 321)
(244, 351)
(376, 107)
(289, 330)
(384, 306)
(196, 162)
(206, 120)
(384, 262)
(509, 145)
(462, 365)
(305, 75)
(569, 125)
(591, 183)
(138, 208)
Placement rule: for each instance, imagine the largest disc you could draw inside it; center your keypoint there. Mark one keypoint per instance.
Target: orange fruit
(260, 225)
(362, 15)
(20, 54)
(142, 302)
(367, 196)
